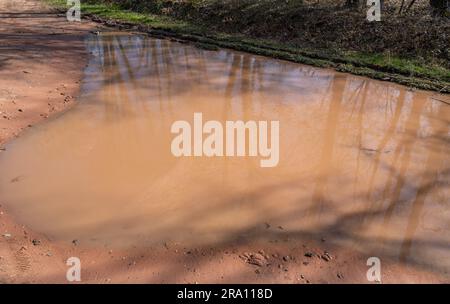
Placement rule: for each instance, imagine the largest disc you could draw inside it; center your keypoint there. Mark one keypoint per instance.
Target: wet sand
(362, 173)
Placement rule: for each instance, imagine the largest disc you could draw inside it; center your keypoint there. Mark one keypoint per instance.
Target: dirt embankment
(319, 33)
(317, 24)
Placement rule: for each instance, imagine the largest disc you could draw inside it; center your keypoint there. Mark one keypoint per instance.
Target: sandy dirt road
(42, 57)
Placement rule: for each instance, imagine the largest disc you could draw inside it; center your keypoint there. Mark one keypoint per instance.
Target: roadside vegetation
(410, 45)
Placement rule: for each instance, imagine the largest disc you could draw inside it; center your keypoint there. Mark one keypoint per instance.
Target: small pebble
(326, 257)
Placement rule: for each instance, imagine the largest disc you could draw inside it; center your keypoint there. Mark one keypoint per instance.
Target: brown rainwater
(365, 162)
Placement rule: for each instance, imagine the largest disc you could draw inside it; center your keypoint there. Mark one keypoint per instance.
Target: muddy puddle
(363, 162)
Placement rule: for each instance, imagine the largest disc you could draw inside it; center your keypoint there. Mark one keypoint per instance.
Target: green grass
(402, 65)
(114, 12)
(413, 72)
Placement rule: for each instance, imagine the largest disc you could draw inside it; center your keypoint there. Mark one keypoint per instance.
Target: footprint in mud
(14, 261)
(22, 260)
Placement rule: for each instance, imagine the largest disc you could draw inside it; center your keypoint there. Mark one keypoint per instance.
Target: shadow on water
(361, 161)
